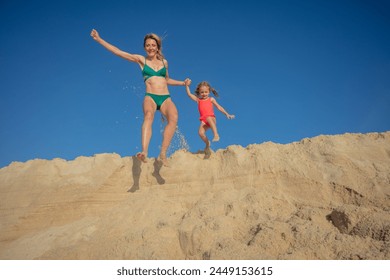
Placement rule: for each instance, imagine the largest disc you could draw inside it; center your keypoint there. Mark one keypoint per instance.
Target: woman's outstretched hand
(95, 35)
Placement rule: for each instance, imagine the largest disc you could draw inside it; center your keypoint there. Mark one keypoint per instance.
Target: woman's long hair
(159, 44)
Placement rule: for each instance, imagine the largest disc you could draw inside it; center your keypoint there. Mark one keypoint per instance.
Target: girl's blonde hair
(159, 44)
(206, 84)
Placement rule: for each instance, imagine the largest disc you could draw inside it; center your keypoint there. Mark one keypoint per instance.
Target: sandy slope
(321, 198)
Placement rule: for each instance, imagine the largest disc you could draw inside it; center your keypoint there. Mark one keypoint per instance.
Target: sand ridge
(325, 197)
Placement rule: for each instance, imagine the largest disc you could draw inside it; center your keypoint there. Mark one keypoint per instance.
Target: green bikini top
(149, 72)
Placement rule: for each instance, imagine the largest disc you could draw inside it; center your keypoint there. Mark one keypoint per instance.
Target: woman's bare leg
(168, 109)
(149, 108)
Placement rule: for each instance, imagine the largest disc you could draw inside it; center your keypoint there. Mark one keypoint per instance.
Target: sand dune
(326, 197)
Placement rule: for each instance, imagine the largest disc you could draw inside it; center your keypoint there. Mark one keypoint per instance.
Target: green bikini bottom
(158, 99)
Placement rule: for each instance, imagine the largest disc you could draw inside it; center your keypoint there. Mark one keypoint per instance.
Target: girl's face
(151, 47)
(204, 92)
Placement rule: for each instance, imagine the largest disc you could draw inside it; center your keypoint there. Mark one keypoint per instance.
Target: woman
(155, 71)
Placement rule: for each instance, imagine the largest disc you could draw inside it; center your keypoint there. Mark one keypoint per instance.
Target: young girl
(206, 111)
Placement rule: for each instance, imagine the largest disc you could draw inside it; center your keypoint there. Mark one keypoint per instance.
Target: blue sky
(287, 69)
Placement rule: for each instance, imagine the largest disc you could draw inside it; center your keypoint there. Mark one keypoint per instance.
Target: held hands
(187, 82)
(230, 117)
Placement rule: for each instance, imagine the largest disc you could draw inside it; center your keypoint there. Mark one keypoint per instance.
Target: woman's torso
(155, 77)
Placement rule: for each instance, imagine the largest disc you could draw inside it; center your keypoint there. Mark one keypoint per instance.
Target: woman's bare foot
(141, 156)
(163, 159)
(216, 138)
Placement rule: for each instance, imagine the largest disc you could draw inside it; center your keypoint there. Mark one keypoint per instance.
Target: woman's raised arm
(128, 56)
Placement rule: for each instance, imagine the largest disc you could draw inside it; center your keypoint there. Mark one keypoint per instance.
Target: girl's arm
(190, 95)
(130, 57)
(220, 108)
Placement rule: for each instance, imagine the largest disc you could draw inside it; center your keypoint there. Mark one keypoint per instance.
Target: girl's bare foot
(142, 157)
(207, 150)
(216, 138)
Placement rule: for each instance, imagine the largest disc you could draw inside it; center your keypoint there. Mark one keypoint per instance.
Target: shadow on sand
(136, 171)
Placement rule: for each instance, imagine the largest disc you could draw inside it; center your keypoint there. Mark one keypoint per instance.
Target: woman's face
(151, 47)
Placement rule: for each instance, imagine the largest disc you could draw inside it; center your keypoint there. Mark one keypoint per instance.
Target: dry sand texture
(321, 198)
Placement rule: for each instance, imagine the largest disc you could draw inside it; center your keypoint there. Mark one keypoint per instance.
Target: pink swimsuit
(205, 110)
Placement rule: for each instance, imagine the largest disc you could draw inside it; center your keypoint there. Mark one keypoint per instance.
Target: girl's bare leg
(213, 125)
(149, 108)
(202, 133)
(168, 109)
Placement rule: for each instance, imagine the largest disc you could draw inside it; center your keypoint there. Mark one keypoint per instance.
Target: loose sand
(321, 198)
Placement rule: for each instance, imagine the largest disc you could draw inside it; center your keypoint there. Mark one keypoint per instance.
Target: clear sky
(287, 69)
